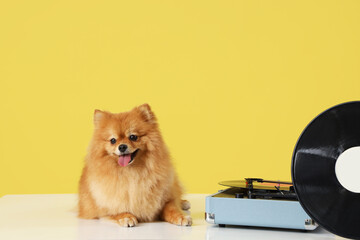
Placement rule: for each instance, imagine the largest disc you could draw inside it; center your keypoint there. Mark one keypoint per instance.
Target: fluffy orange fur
(146, 189)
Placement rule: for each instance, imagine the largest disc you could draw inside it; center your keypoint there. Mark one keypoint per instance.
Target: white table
(53, 216)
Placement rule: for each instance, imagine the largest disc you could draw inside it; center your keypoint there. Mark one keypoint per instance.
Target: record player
(258, 202)
(325, 187)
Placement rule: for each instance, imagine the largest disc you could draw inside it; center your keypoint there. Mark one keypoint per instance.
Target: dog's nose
(122, 147)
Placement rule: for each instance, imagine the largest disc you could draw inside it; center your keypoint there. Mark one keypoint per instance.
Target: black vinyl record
(313, 169)
(264, 184)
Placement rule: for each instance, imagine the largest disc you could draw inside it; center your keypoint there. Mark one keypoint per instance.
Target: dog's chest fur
(139, 193)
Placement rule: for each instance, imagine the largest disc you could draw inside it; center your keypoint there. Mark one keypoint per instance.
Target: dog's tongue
(124, 160)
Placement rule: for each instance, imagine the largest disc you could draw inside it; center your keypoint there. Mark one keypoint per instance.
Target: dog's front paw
(182, 220)
(126, 220)
(174, 215)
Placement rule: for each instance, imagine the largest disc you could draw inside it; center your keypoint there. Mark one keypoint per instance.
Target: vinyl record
(264, 184)
(316, 182)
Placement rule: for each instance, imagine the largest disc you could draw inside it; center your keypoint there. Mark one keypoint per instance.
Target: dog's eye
(133, 137)
(113, 141)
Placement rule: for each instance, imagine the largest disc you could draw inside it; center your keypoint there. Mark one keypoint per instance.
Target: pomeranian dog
(128, 176)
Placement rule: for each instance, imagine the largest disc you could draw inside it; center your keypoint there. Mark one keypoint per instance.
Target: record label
(347, 169)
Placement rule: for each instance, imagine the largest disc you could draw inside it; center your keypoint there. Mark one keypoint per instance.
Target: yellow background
(233, 83)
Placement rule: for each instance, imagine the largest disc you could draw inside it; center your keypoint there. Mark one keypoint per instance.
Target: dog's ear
(146, 113)
(98, 116)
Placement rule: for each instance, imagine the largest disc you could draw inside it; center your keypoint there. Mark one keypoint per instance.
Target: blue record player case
(226, 208)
